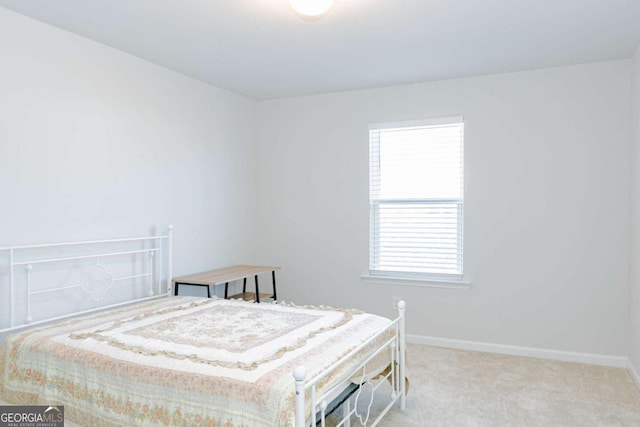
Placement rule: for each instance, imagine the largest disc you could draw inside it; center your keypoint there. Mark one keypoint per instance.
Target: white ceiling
(261, 49)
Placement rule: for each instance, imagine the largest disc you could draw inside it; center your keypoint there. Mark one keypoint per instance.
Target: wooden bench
(230, 274)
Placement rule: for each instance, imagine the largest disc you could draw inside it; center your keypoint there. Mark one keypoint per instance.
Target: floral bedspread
(180, 361)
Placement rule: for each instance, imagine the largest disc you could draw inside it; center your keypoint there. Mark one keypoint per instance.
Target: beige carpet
(465, 388)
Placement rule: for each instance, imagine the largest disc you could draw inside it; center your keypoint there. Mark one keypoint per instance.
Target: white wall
(95, 143)
(546, 215)
(634, 297)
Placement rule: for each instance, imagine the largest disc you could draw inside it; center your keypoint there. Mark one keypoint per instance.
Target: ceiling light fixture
(311, 8)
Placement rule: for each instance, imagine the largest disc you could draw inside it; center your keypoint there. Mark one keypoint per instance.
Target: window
(417, 199)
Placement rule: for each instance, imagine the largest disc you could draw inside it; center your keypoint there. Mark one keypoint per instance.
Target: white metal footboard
(396, 376)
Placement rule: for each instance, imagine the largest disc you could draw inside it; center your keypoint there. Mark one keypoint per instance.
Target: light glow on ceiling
(311, 8)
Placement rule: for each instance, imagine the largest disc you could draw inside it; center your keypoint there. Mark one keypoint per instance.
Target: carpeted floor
(466, 388)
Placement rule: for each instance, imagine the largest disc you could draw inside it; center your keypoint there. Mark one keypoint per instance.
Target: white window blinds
(416, 198)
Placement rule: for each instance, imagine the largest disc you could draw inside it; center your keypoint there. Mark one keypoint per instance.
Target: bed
(163, 360)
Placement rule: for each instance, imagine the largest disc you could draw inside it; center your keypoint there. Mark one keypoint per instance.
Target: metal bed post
(29, 319)
(299, 374)
(170, 264)
(323, 409)
(346, 412)
(151, 270)
(158, 266)
(402, 348)
(12, 289)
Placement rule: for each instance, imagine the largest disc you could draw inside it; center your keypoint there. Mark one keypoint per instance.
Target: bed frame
(396, 348)
(146, 255)
(25, 259)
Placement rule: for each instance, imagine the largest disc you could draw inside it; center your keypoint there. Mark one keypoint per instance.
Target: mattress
(183, 361)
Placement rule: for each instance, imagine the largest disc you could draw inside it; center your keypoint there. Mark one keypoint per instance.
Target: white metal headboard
(160, 247)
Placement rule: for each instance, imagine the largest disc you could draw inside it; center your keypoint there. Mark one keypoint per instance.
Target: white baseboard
(634, 373)
(541, 353)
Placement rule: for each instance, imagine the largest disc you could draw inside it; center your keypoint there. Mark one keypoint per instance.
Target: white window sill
(425, 283)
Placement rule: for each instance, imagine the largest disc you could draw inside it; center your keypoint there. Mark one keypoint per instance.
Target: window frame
(455, 280)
